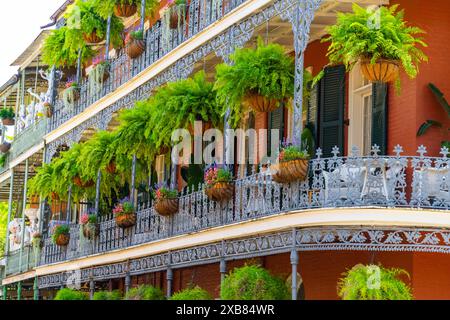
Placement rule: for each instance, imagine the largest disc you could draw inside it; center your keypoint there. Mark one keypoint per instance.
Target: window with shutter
(331, 109)
(312, 115)
(379, 116)
(276, 122)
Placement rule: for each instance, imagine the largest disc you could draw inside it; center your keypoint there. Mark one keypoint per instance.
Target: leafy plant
(106, 7)
(266, 70)
(358, 284)
(360, 34)
(3, 160)
(195, 293)
(107, 295)
(7, 113)
(145, 293)
(90, 22)
(58, 230)
(165, 193)
(70, 294)
(215, 175)
(253, 282)
(292, 152)
(134, 35)
(124, 207)
(88, 218)
(435, 123)
(61, 49)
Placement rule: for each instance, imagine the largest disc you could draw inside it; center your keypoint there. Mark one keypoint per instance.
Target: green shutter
(331, 109)
(276, 122)
(379, 116)
(312, 115)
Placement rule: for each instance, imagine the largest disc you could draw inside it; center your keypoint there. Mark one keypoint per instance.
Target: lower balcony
(20, 261)
(338, 182)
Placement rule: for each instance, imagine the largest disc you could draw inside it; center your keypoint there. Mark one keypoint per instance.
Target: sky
(20, 22)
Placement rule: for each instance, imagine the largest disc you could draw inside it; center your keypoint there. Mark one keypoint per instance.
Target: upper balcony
(383, 183)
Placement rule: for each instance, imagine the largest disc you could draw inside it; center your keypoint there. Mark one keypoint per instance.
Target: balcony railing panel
(15, 266)
(159, 41)
(28, 138)
(345, 182)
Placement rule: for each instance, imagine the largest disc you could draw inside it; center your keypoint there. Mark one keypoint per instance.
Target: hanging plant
(358, 284)
(61, 235)
(381, 40)
(125, 214)
(261, 78)
(125, 8)
(191, 294)
(98, 75)
(219, 184)
(293, 165)
(42, 183)
(89, 224)
(135, 44)
(7, 115)
(166, 201)
(70, 95)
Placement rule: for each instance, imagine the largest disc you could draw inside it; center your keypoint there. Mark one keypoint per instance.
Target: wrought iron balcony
(15, 264)
(159, 43)
(346, 182)
(28, 138)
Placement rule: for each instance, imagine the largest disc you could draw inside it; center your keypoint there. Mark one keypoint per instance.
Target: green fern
(356, 36)
(106, 7)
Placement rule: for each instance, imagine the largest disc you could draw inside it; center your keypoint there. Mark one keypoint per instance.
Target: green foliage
(42, 183)
(357, 35)
(7, 113)
(106, 7)
(107, 295)
(165, 193)
(423, 129)
(292, 152)
(69, 294)
(196, 293)
(3, 160)
(62, 229)
(60, 49)
(91, 21)
(138, 35)
(266, 70)
(145, 293)
(360, 283)
(253, 282)
(178, 105)
(3, 225)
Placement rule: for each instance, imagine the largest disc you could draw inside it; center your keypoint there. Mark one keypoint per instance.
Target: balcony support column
(294, 263)
(35, 289)
(24, 207)
(97, 193)
(19, 290)
(169, 281)
(223, 269)
(108, 37)
(133, 179)
(301, 20)
(91, 287)
(78, 76)
(10, 204)
(127, 282)
(69, 205)
(143, 17)
(5, 292)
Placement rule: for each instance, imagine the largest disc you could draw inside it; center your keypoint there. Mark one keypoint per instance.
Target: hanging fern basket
(135, 48)
(381, 71)
(91, 230)
(220, 191)
(177, 15)
(290, 171)
(259, 103)
(126, 220)
(92, 37)
(62, 240)
(48, 110)
(79, 183)
(167, 207)
(5, 147)
(111, 168)
(125, 10)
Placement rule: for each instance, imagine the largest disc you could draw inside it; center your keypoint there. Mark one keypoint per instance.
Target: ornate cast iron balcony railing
(200, 14)
(347, 182)
(16, 265)
(28, 138)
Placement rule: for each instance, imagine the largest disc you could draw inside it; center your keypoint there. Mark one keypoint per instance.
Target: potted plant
(261, 78)
(70, 294)
(381, 41)
(145, 292)
(219, 184)
(36, 239)
(71, 94)
(5, 147)
(355, 284)
(124, 8)
(7, 115)
(79, 182)
(195, 293)
(435, 123)
(61, 235)
(173, 13)
(107, 295)
(253, 282)
(135, 44)
(166, 201)
(89, 225)
(125, 214)
(293, 164)
(98, 75)
(3, 160)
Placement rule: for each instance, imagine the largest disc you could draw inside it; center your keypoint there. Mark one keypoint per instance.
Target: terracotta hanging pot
(125, 10)
(259, 103)
(5, 147)
(167, 207)
(92, 37)
(381, 71)
(91, 230)
(8, 122)
(48, 110)
(126, 220)
(111, 168)
(135, 48)
(206, 126)
(62, 240)
(220, 191)
(163, 150)
(79, 183)
(290, 171)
